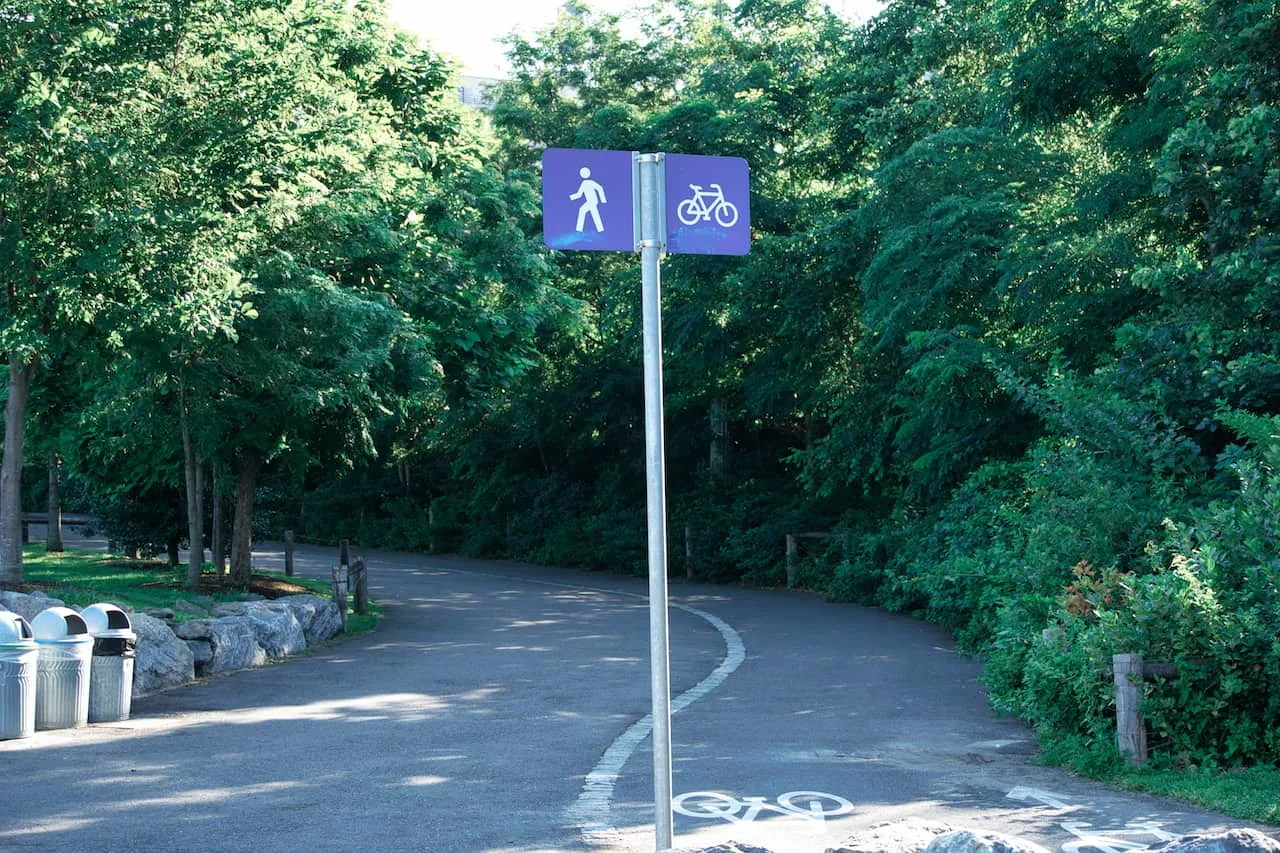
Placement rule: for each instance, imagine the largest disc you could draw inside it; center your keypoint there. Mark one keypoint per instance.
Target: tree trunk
(53, 539)
(242, 523)
(219, 544)
(195, 497)
(15, 424)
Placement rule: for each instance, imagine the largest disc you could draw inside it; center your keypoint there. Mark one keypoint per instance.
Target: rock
(164, 614)
(906, 836)
(969, 841)
(277, 629)
(189, 607)
(27, 606)
(1231, 841)
(163, 660)
(319, 617)
(195, 629)
(230, 608)
(234, 644)
(728, 847)
(202, 652)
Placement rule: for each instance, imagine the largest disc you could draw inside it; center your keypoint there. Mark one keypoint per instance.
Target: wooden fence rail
(1129, 671)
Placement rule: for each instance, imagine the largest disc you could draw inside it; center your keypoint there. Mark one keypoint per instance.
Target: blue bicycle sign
(707, 203)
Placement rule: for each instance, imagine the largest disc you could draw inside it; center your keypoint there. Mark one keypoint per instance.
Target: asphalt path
(502, 707)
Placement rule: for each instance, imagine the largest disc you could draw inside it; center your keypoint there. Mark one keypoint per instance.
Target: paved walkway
(502, 707)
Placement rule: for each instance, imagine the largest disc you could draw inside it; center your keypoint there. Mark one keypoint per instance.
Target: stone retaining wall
(223, 636)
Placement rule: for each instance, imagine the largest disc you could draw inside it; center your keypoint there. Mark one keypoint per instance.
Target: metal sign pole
(651, 245)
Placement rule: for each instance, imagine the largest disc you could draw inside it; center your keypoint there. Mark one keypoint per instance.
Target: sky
(469, 29)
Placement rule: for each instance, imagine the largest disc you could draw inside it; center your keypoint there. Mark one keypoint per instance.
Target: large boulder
(319, 617)
(276, 629)
(905, 836)
(27, 606)
(202, 651)
(163, 660)
(1231, 841)
(234, 643)
(198, 634)
(195, 629)
(190, 608)
(970, 841)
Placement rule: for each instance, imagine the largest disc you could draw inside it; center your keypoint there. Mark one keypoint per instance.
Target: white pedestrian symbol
(592, 195)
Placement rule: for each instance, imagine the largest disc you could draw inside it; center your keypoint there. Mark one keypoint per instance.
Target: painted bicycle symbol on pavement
(1113, 840)
(704, 204)
(713, 805)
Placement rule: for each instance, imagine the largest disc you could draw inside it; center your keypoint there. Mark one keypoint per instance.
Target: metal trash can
(115, 646)
(17, 677)
(62, 668)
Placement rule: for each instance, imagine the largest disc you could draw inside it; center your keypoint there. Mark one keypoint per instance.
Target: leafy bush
(145, 522)
(1206, 601)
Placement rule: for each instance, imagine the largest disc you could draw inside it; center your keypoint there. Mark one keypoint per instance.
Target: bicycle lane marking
(590, 812)
(718, 806)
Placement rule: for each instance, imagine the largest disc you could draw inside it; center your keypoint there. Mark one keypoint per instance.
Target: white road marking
(715, 805)
(591, 811)
(1113, 840)
(1047, 798)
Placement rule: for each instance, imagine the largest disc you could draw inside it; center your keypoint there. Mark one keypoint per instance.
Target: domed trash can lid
(112, 631)
(60, 625)
(15, 632)
(107, 621)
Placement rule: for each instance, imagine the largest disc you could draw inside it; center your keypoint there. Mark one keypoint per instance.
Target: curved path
(501, 707)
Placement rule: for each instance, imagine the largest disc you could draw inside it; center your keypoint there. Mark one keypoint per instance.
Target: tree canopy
(1007, 333)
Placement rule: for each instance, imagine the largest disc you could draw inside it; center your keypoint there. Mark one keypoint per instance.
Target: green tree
(69, 209)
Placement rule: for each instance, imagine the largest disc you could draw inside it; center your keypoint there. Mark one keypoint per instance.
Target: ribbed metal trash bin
(62, 668)
(115, 646)
(17, 677)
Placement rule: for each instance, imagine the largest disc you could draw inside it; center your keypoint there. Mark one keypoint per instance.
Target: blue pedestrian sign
(591, 201)
(588, 199)
(708, 205)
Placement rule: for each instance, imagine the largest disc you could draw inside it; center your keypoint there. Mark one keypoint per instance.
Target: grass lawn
(1251, 793)
(81, 578)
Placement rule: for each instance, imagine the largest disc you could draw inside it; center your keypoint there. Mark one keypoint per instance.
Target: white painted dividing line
(591, 811)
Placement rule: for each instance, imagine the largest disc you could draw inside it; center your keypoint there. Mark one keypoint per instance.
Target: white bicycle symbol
(811, 805)
(707, 203)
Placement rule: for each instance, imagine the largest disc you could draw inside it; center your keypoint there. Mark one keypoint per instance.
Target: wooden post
(53, 536)
(340, 580)
(793, 551)
(1131, 734)
(344, 552)
(688, 553)
(360, 585)
(218, 540)
(431, 527)
(288, 553)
